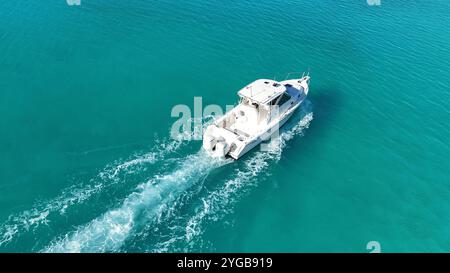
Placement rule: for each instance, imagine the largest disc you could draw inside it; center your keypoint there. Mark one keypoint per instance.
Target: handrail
(290, 73)
(302, 73)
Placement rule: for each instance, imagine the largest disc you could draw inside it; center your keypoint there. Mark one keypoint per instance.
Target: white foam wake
(22, 222)
(132, 165)
(109, 231)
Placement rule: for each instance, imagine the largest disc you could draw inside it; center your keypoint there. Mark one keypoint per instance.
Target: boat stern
(218, 142)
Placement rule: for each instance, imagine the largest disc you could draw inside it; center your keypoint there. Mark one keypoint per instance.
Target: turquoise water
(87, 163)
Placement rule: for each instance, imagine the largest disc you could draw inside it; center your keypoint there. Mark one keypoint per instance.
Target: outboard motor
(209, 140)
(215, 145)
(221, 149)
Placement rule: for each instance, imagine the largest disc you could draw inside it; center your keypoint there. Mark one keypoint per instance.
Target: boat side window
(285, 98)
(280, 100)
(275, 100)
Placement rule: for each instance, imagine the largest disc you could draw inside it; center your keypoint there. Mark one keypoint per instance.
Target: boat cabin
(261, 102)
(267, 93)
(264, 105)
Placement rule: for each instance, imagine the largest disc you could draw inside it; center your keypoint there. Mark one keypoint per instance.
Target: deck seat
(246, 119)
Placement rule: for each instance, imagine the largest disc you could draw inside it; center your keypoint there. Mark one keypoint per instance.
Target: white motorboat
(265, 105)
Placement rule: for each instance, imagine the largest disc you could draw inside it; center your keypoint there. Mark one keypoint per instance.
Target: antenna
(296, 73)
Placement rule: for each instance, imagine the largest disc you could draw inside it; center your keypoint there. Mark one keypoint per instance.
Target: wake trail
(109, 231)
(31, 219)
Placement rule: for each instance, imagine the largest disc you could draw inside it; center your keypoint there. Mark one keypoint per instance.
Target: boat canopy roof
(262, 91)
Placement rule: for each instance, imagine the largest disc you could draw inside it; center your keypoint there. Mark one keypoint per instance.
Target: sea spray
(109, 231)
(31, 219)
(108, 178)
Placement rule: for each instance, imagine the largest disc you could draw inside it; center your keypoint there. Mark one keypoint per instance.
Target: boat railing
(303, 74)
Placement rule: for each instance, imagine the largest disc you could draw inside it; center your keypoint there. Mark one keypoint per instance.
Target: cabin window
(285, 97)
(274, 101)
